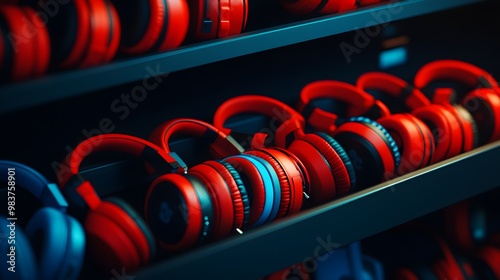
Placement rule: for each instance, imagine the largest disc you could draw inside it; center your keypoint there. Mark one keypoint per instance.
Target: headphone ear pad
(243, 191)
(26, 264)
(115, 238)
(49, 227)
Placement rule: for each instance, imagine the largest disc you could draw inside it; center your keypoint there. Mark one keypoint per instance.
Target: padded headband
(358, 101)
(289, 119)
(393, 86)
(34, 182)
(453, 70)
(221, 145)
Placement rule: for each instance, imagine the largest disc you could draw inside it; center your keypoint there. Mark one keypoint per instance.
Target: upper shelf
(59, 86)
(262, 251)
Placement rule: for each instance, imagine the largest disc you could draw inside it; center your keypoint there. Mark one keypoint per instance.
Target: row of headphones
(358, 141)
(38, 35)
(240, 189)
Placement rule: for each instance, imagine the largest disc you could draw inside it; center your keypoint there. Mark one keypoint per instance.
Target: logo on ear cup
(165, 213)
(357, 162)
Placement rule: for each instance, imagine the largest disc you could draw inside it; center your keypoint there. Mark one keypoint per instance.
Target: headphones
(482, 104)
(373, 152)
(209, 201)
(322, 7)
(92, 35)
(152, 25)
(414, 139)
(117, 236)
(327, 170)
(210, 19)
(24, 43)
(62, 237)
(451, 126)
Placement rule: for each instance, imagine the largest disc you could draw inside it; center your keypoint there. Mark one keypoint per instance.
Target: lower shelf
(319, 230)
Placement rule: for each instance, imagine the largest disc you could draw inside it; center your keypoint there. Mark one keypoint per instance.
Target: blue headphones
(62, 237)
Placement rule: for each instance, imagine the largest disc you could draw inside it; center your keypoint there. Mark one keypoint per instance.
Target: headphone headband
(394, 86)
(454, 70)
(221, 145)
(358, 101)
(34, 182)
(290, 121)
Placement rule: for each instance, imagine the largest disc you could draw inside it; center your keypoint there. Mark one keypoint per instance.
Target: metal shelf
(60, 86)
(264, 250)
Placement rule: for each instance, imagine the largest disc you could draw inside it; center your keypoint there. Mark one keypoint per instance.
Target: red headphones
(307, 7)
(24, 43)
(208, 201)
(212, 19)
(482, 103)
(152, 25)
(414, 139)
(116, 234)
(371, 148)
(92, 37)
(325, 162)
(452, 130)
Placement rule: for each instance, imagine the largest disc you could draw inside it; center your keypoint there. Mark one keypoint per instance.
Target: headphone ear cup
(40, 41)
(222, 193)
(115, 238)
(445, 129)
(50, 228)
(26, 266)
(484, 106)
(413, 138)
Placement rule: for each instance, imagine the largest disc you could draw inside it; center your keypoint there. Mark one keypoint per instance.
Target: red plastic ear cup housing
(176, 213)
(21, 48)
(448, 137)
(111, 229)
(92, 37)
(306, 7)
(153, 25)
(224, 194)
(484, 106)
(339, 170)
(414, 140)
(212, 19)
(321, 176)
(41, 42)
(254, 185)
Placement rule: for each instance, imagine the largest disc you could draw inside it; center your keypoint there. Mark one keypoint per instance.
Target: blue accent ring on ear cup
(49, 225)
(243, 191)
(390, 141)
(276, 187)
(26, 265)
(343, 155)
(269, 192)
